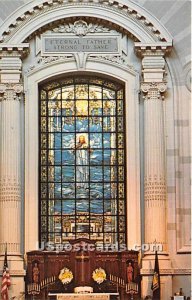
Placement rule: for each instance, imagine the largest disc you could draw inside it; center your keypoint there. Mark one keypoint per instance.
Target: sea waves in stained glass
(81, 178)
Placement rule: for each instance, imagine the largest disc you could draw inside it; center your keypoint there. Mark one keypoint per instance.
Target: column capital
(147, 86)
(10, 91)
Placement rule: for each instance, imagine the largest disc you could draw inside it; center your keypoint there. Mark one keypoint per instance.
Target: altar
(89, 296)
(80, 266)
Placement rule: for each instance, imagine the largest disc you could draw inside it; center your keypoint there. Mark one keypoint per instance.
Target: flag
(156, 280)
(6, 282)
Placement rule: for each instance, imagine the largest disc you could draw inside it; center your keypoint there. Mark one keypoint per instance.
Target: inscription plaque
(70, 44)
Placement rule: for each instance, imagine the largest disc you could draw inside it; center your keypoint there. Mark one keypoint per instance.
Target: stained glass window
(82, 161)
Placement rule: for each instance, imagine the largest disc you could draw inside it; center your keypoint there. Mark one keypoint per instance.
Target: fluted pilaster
(10, 166)
(154, 159)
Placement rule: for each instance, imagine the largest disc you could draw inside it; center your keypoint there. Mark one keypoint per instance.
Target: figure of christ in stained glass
(83, 180)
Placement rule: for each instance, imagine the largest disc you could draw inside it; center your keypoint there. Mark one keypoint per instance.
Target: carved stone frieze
(11, 91)
(81, 28)
(119, 59)
(47, 60)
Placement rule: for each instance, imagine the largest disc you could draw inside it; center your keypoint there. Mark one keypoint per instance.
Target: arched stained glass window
(82, 161)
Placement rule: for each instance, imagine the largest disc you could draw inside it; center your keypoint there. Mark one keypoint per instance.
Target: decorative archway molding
(66, 68)
(134, 19)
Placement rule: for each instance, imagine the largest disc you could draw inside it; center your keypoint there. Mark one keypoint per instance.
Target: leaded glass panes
(82, 160)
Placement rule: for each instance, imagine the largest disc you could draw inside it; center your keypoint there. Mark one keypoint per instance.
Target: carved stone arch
(32, 16)
(125, 75)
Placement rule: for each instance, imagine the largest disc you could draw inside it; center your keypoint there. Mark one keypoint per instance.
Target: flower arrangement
(65, 276)
(99, 275)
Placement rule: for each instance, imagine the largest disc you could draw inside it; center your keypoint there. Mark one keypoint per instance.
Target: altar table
(89, 296)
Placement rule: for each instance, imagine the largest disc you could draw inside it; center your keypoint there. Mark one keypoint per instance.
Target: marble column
(11, 95)
(154, 160)
(10, 166)
(153, 87)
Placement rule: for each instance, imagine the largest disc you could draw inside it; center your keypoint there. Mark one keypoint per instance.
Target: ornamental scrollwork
(11, 91)
(153, 90)
(81, 28)
(159, 86)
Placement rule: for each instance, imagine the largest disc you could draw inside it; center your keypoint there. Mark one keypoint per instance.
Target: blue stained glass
(57, 140)
(96, 157)
(107, 190)
(96, 190)
(58, 174)
(68, 190)
(95, 124)
(82, 192)
(96, 111)
(68, 124)
(79, 164)
(68, 174)
(107, 140)
(95, 140)
(82, 206)
(107, 174)
(107, 206)
(68, 140)
(109, 157)
(68, 206)
(81, 124)
(96, 206)
(57, 190)
(96, 173)
(68, 157)
(57, 207)
(55, 157)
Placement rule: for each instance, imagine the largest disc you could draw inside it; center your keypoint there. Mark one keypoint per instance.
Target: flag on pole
(156, 280)
(6, 282)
